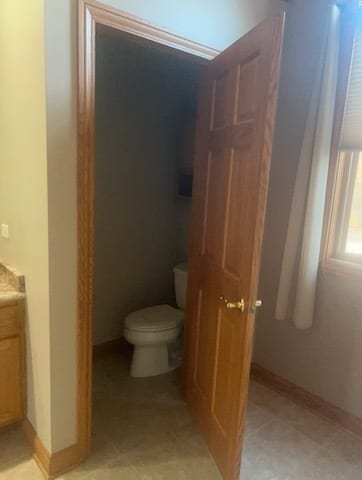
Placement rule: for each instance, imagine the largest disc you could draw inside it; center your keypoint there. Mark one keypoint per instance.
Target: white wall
(326, 359)
(218, 24)
(141, 224)
(23, 187)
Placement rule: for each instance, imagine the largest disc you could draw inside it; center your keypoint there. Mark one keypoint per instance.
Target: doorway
(94, 15)
(145, 106)
(234, 139)
(145, 114)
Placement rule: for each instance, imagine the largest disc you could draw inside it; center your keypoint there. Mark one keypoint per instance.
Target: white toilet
(154, 331)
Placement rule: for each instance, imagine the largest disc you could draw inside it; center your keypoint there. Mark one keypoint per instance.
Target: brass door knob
(240, 304)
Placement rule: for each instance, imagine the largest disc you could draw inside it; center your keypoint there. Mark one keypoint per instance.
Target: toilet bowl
(155, 330)
(151, 331)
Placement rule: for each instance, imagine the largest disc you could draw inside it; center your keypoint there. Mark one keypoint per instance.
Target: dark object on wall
(186, 161)
(185, 180)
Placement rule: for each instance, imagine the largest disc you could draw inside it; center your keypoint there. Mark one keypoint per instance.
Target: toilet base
(150, 360)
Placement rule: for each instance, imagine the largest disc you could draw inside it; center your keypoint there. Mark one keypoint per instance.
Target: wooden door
(233, 151)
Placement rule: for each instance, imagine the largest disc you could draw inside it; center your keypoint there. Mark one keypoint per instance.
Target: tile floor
(142, 431)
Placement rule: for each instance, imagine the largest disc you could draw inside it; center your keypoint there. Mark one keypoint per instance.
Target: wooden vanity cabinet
(12, 364)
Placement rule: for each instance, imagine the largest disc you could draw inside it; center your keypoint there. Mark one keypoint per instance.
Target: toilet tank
(180, 274)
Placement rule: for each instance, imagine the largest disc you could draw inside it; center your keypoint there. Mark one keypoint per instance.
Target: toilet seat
(154, 319)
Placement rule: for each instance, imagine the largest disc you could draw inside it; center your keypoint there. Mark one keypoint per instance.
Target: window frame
(341, 171)
(347, 169)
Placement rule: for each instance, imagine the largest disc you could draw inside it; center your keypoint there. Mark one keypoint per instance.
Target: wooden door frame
(92, 13)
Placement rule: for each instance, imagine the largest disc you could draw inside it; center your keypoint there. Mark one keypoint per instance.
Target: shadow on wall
(141, 224)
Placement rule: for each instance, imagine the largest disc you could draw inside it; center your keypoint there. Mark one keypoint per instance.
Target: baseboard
(40, 453)
(119, 344)
(65, 460)
(51, 465)
(313, 402)
(58, 463)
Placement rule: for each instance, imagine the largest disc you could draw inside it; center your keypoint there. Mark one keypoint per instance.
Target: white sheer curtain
(303, 242)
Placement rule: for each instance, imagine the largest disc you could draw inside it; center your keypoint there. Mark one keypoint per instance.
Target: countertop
(9, 295)
(12, 285)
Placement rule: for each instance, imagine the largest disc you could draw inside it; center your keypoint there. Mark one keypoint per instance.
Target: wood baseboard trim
(40, 453)
(65, 460)
(51, 465)
(119, 344)
(310, 400)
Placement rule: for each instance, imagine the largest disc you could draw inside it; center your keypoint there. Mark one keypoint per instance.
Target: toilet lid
(154, 319)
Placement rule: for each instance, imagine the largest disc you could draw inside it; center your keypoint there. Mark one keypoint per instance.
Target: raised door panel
(241, 221)
(226, 336)
(222, 107)
(205, 333)
(215, 205)
(247, 90)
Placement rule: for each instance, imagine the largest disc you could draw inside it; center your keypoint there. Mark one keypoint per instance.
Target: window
(348, 237)
(353, 243)
(344, 204)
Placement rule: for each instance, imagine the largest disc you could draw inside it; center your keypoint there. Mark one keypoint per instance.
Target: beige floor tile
(113, 472)
(346, 446)
(106, 472)
(267, 468)
(325, 466)
(142, 431)
(270, 401)
(355, 474)
(27, 470)
(178, 470)
(299, 417)
(255, 418)
(13, 449)
(287, 441)
(76, 474)
(275, 451)
(313, 426)
(188, 444)
(148, 450)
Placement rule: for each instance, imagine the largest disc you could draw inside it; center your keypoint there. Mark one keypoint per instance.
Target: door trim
(90, 14)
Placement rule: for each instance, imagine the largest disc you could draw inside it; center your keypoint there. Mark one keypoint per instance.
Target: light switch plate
(4, 230)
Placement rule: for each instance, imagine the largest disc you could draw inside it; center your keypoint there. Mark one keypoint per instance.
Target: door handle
(240, 304)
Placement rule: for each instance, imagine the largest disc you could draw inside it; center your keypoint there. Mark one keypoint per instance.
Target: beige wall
(223, 23)
(61, 99)
(327, 359)
(23, 187)
(141, 224)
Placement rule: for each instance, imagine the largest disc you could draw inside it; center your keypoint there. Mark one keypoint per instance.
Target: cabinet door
(10, 380)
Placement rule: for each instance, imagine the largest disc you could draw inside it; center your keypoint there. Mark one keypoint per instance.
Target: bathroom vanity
(12, 346)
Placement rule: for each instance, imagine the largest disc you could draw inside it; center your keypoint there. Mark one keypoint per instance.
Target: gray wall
(141, 223)
(327, 359)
